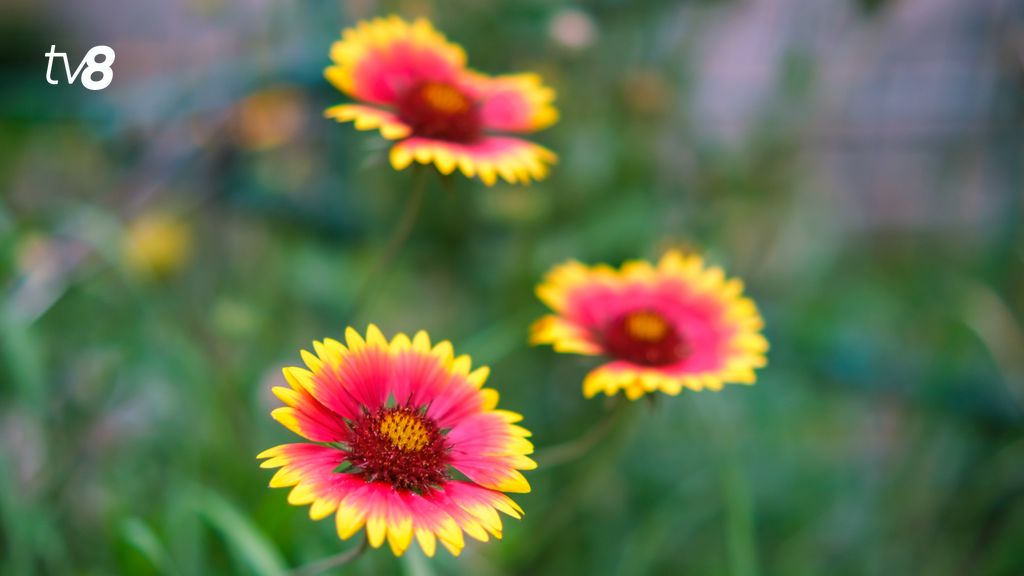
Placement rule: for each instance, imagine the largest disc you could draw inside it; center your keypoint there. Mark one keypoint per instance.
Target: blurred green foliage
(885, 436)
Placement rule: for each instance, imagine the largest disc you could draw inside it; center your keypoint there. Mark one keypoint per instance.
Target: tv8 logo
(92, 63)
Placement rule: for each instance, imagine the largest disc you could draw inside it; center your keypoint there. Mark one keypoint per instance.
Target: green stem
(331, 562)
(395, 242)
(739, 514)
(576, 448)
(738, 505)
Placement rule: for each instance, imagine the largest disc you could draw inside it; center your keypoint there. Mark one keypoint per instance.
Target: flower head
(662, 327)
(402, 439)
(156, 245)
(269, 118)
(414, 88)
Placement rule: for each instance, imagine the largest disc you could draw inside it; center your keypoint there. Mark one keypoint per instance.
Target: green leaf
(249, 546)
(140, 536)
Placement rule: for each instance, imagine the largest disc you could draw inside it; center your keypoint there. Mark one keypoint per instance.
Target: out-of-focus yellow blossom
(156, 245)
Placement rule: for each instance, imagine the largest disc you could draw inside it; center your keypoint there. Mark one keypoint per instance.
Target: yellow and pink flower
(414, 87)
(402, 439)
(663, 327)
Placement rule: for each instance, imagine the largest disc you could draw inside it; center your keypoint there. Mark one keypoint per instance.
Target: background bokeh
(169, 243)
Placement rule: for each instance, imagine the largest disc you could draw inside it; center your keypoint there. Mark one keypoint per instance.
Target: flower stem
(331, 562)
(737, 500)
(395, 242)
(576, 448)
(739, 515)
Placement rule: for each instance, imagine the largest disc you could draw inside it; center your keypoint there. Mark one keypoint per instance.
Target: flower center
(401, 446)
(406, 431)
(645, 337)
(440, 110)
(444, 98)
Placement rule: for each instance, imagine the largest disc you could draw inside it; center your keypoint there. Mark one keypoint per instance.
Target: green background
(858, 164)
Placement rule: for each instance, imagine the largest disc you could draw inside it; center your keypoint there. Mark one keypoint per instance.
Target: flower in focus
(156, 245)
(415, 88)
(662, 327)
(402, 438)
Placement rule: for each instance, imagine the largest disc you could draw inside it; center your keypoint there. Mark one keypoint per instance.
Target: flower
(269, 118)
(156, 245)
(390, 425)
(415, 88)
(573, 29)
(663, 327)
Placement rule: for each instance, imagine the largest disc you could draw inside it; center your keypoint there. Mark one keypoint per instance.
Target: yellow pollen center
(645, 326)
(444, 98)
(405, 431)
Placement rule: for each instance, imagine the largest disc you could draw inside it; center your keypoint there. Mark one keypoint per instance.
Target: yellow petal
(349, 520)
(311, 361)
(376, 530)
(400, 535)
(427, 541)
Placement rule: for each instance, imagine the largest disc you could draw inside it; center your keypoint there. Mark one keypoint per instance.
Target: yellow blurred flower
(156, 245)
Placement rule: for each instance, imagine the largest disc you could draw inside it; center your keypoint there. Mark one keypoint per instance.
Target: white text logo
(93, 68)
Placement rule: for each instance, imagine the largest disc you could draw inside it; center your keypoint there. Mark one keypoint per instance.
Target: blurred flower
(269, 118)
(33, 250)
(663, 327)
(387, 424)
(156, 245)
(647, 91)
(573, 28)
(439, 111)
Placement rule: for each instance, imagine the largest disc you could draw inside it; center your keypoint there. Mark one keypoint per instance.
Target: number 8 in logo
(102, 67)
